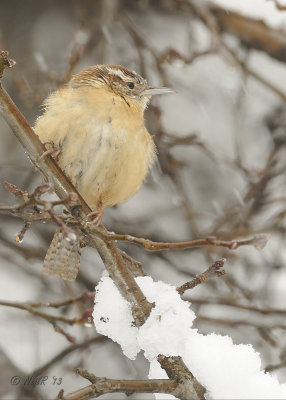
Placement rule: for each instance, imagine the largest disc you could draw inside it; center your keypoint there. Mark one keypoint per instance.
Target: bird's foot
(51, 149)
(95, 217)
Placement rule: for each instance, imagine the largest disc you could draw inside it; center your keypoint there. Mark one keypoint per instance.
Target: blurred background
(220, 172)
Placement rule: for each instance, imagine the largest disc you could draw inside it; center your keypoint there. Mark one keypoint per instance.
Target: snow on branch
(226, 370)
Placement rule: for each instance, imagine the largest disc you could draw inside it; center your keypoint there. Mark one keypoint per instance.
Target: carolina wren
(97, 124)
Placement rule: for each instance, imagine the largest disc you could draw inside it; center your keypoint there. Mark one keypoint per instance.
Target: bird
(97, 124)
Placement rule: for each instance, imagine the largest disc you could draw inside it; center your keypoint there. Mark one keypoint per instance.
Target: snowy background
(221, 150)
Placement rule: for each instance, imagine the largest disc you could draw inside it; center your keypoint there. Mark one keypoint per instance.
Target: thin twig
(83, 297)
(231, 303)
(70, 349)
(233, 323)
(258, 242)
(101, 386)
(48, 317)
(214, 270)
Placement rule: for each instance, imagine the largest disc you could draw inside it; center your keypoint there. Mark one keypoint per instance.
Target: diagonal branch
(188, 387)
(251, 32)
(108, 251)
(113, 259)
(214, 270)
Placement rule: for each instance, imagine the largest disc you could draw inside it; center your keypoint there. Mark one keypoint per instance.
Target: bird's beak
(158, 90)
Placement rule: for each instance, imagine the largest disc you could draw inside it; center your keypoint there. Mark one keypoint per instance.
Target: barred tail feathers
(63, 257)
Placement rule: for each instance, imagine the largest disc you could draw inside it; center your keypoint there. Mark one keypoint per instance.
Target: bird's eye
(130, 85)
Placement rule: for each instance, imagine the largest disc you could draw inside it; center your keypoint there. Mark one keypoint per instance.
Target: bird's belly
(106, 167)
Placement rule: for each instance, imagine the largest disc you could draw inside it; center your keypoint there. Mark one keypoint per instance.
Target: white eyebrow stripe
(118, 72)
(121, 74)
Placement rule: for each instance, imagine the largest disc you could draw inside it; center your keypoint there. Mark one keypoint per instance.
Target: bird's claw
(95, 217)
(51, 150)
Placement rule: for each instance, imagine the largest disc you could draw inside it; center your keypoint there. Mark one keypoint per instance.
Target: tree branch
(188, 386)
(109, 253)
(252, 32)
(48, 317)
(258, 242)
(214, 270)
(101, 386)
(115, 263)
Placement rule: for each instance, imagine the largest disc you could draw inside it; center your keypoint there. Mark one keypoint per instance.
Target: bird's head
(119, 80)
